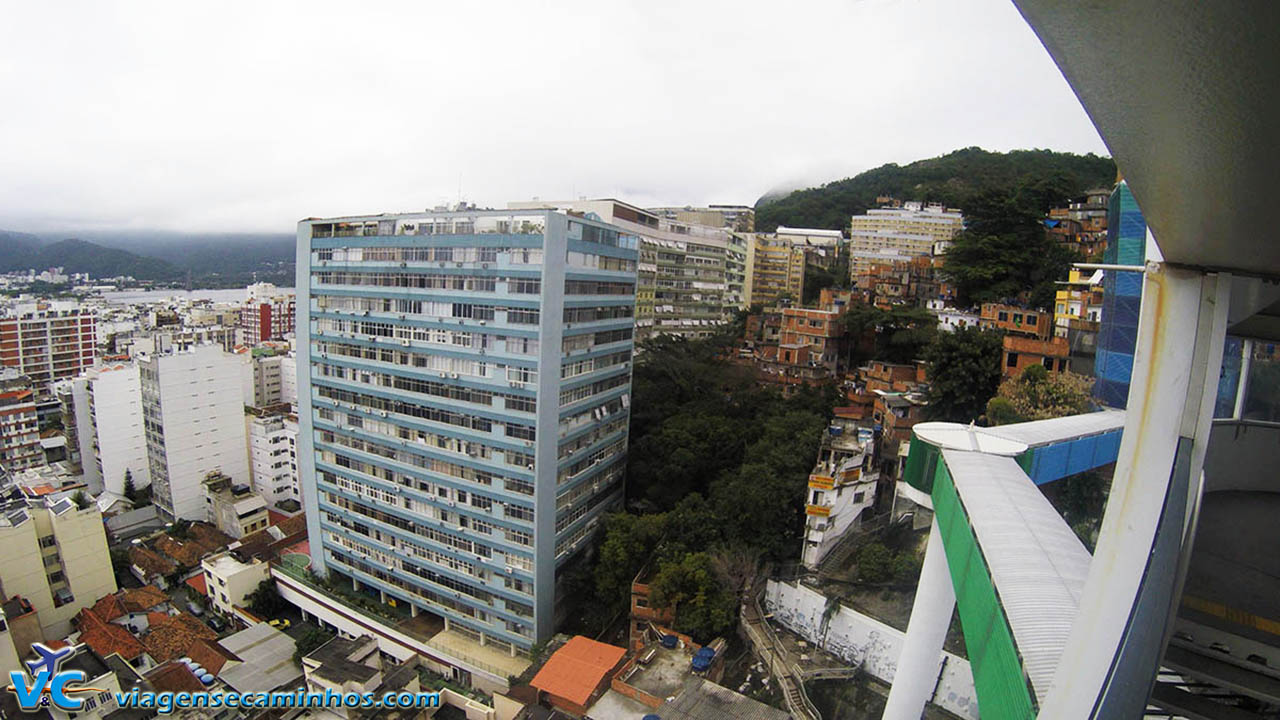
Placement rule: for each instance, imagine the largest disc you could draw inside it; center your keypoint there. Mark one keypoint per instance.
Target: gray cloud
(249, 116)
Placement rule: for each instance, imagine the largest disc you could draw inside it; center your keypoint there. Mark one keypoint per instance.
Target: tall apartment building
(103, 419)
(683, 273)
(273, 454)
(263, 374)
(465, 406)
(741, 218)
(913, 229)
(194, 424)
(775, 268)
(48, 341)
(19, 423)
(268, 314)
(55, 555)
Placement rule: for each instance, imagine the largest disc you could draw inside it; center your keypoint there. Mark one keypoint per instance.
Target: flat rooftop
(663, 676)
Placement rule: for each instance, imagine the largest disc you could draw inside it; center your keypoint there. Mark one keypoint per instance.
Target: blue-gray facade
(463, 406)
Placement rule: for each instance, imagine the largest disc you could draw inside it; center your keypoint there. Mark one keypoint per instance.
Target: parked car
(279, 624)
(216, 623)
(194, 609)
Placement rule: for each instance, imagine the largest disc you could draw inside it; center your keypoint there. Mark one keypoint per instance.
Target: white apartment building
(913, 229)
(262, 378)
(102, 415)
(289, 379)
(231, 578)
(273, 455)
(194, 424)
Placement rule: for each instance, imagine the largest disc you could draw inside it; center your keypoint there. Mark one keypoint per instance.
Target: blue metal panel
(1054, 462)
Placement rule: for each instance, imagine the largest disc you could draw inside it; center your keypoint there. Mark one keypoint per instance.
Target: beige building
(913, 229)
(231, 577)
(688, 277)
(733, 217)
(235, 508)
(54, 555)
(775, 267)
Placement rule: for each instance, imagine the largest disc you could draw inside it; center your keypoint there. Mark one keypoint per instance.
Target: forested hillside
(1039, 178)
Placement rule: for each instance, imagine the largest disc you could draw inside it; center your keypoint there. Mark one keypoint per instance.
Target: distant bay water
(225, 295)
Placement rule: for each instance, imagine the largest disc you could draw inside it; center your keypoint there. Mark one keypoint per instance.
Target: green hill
(22, 252)
(1040, 177)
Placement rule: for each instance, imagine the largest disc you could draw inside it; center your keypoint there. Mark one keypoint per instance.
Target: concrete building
(465, 421)
(268, 314)
(48, 341)
(273, 454)
(775, 268)
(817, 332)
(741, 218)
(230, 577)
(913, 229)
(683, 270)
(194, 424)
(263, 375)
(19, 423)
(842, 489)
(235, 509)
(1077, 317)
(102, 416)
(55, 555)
(355, 665)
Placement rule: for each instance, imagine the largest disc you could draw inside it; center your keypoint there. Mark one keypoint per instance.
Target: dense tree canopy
(1004, 254)
(964, 372)
(899, 334)
(717, 466)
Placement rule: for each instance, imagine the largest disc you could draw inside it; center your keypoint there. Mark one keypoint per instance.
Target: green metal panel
(1004, 691)
(921, 459)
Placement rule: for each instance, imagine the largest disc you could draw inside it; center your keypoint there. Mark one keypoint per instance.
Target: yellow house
(1078, 303)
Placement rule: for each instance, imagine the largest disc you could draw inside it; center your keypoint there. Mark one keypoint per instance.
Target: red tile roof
(275, 517)
(577, 669)
(210, 655)
(107, 608)
(174, 635)
(143, 598)
(151, 562)
(174, 677)
(199, 584)
(105, 638)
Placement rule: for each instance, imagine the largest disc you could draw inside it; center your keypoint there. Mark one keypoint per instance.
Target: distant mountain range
(210, 260)
(1042, 175)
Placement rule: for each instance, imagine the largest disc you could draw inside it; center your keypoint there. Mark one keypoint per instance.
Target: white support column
(918, 665)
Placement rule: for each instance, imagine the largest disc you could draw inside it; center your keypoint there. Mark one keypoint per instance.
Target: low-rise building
(234, 508)
(1021, 352)
(232, 576)
(1016, 320)
(819, 331)
(354, 665)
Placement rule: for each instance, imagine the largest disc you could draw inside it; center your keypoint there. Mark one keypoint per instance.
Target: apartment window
(55, 577)
(1003, 317)
(48, 541)
(1012, 360)
(1048, 363)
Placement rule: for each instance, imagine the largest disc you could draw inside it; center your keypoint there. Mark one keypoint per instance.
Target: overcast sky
(249, 116)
